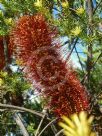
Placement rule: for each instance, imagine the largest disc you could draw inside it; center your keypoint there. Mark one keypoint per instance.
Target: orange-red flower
(33, 44)
(2, 52)
(2, 57)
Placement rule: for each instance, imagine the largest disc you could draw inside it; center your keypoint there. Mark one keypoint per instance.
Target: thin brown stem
(47, 126)
(74, 44)
(60, 132)
(79, 59)
(7, 106)
(90, 32)
(20, 124)
(40, 124)
(98, 5)
(85, 76)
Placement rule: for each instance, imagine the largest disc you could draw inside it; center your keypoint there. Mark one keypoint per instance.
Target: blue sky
(74, 56)
(0, 6)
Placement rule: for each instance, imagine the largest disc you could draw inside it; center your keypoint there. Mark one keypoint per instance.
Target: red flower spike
(2, 54)
(33, 42)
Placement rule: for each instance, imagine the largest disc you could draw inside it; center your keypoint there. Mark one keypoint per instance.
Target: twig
(97, 7)
(11, 110)
(66, 42)
(47, 126)
(71, 49)
(100, 55)
(21, 125)
(53, 127)
(5, 50)
(85, 76)
(22, 109)
(79, 59)
(59, 132)
(39, 126)
(90, 49)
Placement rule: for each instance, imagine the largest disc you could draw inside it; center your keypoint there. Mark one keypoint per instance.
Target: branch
(79, 59)
(85, 76)
(66, 42)
(90, 11)
(5, 50)
(100, 55)
(21, 125)
(90, 31)
(99, 4)
(71, 49)
(39, 126)
(47, 126)
(61, 131)
(22, 109)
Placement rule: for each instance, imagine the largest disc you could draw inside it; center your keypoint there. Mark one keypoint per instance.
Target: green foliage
(14, 82)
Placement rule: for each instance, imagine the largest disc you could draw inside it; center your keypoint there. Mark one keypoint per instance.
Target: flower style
(33, 44)
(76, 31)
(77, 125)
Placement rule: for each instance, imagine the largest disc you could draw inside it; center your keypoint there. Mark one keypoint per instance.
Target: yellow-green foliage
(13, 82)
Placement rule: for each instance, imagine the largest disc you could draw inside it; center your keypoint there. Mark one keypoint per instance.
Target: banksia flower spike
(2, 52)
(2, 56)
(30, 33)
(33, 44)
